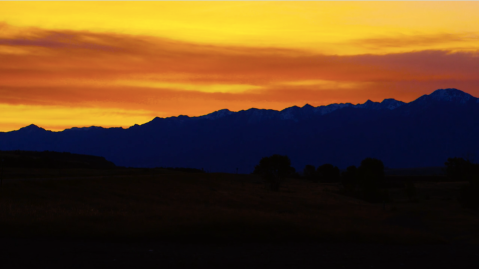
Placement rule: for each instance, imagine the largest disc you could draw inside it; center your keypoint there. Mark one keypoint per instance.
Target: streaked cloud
(320, 26)
(326, 84)
(451, 41)
(83, 68)
(157, 62)
(208, 88)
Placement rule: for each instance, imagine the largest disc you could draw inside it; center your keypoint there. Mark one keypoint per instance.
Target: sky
(116, 64)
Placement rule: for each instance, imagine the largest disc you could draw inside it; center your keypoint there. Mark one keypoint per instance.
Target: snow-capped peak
(323, 110)
(385, 104)
(289, 113)
(391, 103)
(450, 95)
(217, 114)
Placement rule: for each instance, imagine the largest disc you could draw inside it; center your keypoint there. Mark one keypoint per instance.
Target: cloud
(208, 88)
(325, 84)
(168, 77)
(417, 41)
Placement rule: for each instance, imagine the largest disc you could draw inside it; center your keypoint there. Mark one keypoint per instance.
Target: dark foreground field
(173, 219)
(92, 254)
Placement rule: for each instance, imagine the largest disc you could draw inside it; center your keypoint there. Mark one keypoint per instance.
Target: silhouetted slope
(422, 133)
(49, 159)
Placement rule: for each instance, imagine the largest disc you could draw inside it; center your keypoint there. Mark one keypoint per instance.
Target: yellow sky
(160, 58)
(328, 27)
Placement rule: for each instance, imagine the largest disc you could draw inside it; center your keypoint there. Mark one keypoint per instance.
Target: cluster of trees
(325, 173)
(366, 180)
(459, 169)
(362, 182)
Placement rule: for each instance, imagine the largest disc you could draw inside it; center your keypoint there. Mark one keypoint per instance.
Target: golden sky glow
(65, 64)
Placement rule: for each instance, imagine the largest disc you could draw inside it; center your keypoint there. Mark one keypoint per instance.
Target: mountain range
(421, 133)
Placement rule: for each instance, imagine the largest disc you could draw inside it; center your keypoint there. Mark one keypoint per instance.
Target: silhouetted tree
(458, 169)
(309, 171)
(274, 169)
(370, 175)
(328, 173)
(349, 178)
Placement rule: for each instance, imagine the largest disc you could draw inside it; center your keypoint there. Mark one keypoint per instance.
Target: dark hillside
(50, 159)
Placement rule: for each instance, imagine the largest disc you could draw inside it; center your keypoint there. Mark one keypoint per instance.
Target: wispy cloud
(417, 41)
(169, 77)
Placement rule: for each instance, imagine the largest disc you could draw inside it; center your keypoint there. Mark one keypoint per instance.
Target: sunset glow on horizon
(112, 64)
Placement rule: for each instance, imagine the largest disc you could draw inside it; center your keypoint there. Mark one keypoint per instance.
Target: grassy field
(167, 205)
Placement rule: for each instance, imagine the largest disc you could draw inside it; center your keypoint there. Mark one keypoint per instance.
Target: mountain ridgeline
(422, 133)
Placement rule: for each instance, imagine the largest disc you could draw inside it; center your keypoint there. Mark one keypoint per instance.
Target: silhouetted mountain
(32, 128)
(422, 133)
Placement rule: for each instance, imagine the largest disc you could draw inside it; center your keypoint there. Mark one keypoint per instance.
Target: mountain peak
(85, 128)
(308, 106)
(368, 104)
(391, 103)
(31, 128)
(218, 114)
(450, 95)
(389, 100)
(385, 104)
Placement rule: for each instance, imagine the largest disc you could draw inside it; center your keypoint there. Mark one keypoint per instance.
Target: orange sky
(65, 64)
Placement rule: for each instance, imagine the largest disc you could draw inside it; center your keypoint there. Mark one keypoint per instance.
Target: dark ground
(44, 253)
(35, 213)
